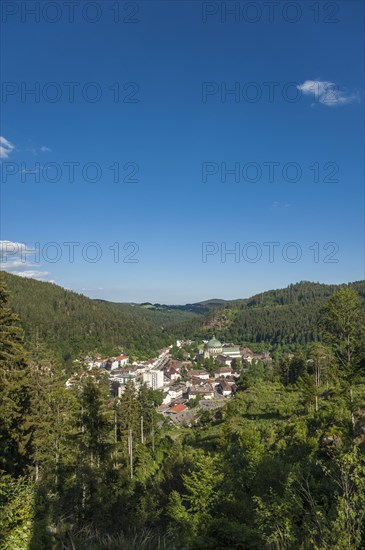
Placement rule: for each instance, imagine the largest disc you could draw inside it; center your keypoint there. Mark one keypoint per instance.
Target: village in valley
(190, 376)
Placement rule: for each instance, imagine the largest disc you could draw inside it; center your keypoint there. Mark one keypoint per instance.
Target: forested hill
(68, 324)
(285, 317)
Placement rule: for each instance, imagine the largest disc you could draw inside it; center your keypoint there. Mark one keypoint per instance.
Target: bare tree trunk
(83, 499)
(352, 414)
(131, 451)
(142, 435)
(153, 441)
(56, 468)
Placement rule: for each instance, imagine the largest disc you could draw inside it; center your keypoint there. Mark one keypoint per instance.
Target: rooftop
(178, 408)
(214, 343)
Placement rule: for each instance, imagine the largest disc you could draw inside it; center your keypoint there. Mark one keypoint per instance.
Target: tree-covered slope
(280, 466)
(286, 316)
(68, 323)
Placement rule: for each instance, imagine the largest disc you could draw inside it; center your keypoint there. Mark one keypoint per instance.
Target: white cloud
(17, 258)
(5, 148)
(36, 150)
(9, 265)
(328, 93)
(17, 253)
(29, 274)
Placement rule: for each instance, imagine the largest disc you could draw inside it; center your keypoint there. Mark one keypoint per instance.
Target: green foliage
(285, 319)
(69, 324)
(16, 512)
(14, 391)
(280, 466)
(343, 320)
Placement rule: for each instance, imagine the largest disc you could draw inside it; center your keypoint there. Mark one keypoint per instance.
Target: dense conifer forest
(280, 466)
(286, 317)
(69, 324)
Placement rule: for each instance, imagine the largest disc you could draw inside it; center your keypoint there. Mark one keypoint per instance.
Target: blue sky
(296, 145)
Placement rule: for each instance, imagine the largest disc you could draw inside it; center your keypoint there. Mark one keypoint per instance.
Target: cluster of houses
(179, 381)
(187, 383)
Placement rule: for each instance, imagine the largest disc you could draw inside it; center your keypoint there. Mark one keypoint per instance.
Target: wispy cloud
(328, 93)
(36, 150)
(277, 204)
(15, 258)
(5, 148)
(29, 274)
(14, 255)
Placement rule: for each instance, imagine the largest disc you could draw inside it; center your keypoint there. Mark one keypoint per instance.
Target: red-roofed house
(177, 408)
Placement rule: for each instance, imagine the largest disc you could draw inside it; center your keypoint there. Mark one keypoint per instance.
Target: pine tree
(129, 414)
(343, 319)
(15, 428)
(53, 410)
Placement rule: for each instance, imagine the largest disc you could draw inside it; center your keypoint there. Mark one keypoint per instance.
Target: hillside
(286, 316)
(68, 323)
(272, 467)
(165, 315)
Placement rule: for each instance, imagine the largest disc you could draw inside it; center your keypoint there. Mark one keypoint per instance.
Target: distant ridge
(287, 316)
(68, 323)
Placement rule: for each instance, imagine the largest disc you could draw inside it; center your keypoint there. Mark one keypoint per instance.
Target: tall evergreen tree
(15, 427)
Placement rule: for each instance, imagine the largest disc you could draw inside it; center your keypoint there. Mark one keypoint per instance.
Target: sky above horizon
(178, 151)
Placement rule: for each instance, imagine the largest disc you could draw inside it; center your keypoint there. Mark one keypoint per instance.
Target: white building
(177, 391)
(111, 363)
(153, 379)
(205, 392)
(120, 361)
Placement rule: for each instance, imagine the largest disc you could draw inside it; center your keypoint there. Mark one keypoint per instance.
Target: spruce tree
(15, 428)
